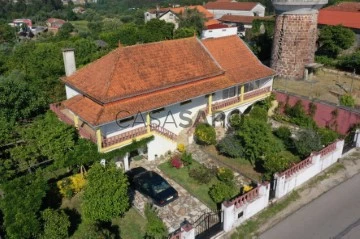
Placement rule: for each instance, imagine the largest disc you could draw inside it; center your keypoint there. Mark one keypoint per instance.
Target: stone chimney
(69, 61)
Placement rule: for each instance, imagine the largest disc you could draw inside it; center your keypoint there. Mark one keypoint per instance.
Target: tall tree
(56, 224)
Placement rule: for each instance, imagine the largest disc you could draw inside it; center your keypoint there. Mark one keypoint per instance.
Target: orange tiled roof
(242, 6)
(333, 18)
(344, 7)
(134, 70)
(241, 19)
(238, 61)
(231, 53)
(179, 10)
(211, 22)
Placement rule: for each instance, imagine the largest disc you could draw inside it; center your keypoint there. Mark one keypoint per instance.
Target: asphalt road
(335, 215)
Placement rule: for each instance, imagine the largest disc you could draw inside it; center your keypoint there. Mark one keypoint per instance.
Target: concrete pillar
(210, 104)
(126, 162)
(76, 121)
(148, 122)
(242, 90)
(306, 74)
(357, 138)
(69, 61)
(187, 231)
(280, 185)
(229, 215)
(99, 139)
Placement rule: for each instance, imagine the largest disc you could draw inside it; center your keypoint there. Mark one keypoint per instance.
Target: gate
(350, 142)
(208, 225)
(272, 188)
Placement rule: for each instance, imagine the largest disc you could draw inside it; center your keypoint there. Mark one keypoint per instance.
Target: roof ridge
(109, 83)
(211, 56)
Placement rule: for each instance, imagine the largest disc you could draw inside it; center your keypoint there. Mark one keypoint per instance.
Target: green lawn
(181, 176)
(242, 165)
(132, 225)
(81, 26)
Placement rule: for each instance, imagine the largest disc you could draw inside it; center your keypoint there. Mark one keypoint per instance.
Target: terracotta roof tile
(344, 7)
(333, 18)
(211, 22)
(238, 61)
(216, 26)
(134, 70)
(231, 53)
(244, 6)
(180, 10)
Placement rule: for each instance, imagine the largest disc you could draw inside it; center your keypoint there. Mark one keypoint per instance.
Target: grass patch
(81, 25)
(131, 225)
(181, 176)
(326, 174)
(242, 165)
(249, 228)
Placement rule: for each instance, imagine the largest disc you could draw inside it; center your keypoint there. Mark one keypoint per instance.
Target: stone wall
(294, 44)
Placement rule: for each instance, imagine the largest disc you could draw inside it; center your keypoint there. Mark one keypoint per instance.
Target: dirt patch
(324, 86)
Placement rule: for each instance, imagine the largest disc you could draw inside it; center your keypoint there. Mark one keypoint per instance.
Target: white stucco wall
(222, 32)
(70, 92)
(319, 163)
(160, 146)
(171, 18)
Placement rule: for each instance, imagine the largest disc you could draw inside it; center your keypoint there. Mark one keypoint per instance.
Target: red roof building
(175, 75)
(220, 8)
(346, 14)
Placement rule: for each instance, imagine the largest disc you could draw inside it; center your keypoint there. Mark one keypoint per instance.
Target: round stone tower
(295, 36)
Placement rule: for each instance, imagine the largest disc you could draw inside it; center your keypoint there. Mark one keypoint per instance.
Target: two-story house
(160, 89)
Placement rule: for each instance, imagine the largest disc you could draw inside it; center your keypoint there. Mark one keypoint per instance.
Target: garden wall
(293, 177)
(336, 117)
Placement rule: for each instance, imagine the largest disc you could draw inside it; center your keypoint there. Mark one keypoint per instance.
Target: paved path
(336, 214)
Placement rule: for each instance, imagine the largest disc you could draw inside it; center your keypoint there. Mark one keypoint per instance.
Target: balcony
(237, 100)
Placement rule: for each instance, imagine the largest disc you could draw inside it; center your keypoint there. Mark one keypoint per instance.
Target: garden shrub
(247, 188)
(155, 227)
(299, 117)
(202, 174)
(347, 100)
(186, 158)
(284, 134)
(278, 162)
(235, 121)
(181, 148)
(258, 113)
(176, 161)
(71, 185)
(266, 103)
(306, 142)
(230, 146)
(225, 175)
(205, 134)
(56, 224)
(327, 136)
(222, 191)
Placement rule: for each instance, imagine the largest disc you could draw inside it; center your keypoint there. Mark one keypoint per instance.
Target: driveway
(185, 207)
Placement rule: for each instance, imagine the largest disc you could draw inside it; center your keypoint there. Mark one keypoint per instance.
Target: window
(252, 86)
(185, 102)
(240, 214)
(224, 30)
(157, 111)
(228, 93)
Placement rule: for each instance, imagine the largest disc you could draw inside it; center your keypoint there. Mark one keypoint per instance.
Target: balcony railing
(237, 99)
(163, 131)
(106, 142)
(56, 108)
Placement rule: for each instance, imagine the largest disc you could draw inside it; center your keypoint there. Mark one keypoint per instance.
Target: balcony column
(99, 139)
(242, 90)
(76, 121)
(148, 122)
(209, 104)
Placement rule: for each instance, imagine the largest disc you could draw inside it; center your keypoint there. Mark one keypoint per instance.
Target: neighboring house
(221, 8)
(21, 22)
(54, 24)
(346, 14)
(218, 30)
(161, 89)
(78, 10)
(242, 22)
(172, 14)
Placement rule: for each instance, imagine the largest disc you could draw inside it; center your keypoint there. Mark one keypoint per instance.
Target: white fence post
(357, 138)
(187, 231)
(280, 185)
(229, 215)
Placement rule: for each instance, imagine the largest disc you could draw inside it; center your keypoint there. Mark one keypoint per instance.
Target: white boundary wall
(288, 180)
